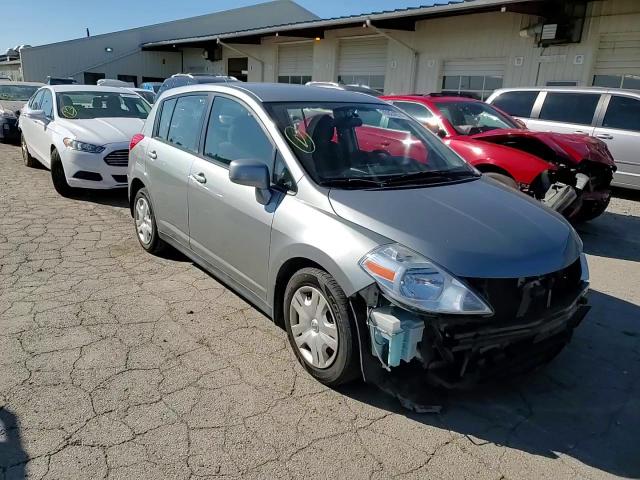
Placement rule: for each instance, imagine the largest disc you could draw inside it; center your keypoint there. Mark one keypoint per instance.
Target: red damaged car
(569, 173)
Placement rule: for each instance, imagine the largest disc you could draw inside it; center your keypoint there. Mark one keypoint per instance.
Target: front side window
(470, 118)
(16, 93)
(518, 104)
(479, 87)
(576, 108)
(337, 149)
(233, 133)
(623, 113)
(186, 121)
(417, 111)
(76, 105)
(46, 104)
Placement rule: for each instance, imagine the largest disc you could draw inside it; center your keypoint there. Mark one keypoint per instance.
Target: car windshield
(470, 118)
(364, 145)
(89, 105)
(17, 93)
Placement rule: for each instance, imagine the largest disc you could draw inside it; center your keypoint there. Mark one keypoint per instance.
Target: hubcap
(144, 225)
(24, 150)
(313, 327)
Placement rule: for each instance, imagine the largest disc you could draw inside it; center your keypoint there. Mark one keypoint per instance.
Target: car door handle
(605, 136)
(199, 177)
(152, 154)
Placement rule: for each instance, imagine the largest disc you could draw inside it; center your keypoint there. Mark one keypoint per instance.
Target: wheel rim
(25, 152)
(313, 327)
(144, 226)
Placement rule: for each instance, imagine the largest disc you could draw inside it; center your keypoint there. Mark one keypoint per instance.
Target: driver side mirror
(252, 173)
(36, 115)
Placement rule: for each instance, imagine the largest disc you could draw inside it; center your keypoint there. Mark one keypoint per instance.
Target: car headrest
(322, 128)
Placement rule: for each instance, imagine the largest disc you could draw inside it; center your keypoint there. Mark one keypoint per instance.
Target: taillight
(137, 138)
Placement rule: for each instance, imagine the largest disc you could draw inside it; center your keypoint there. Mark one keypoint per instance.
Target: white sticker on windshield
(69, 112)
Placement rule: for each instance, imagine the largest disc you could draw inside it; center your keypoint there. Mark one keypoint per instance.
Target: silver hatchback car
(357, 230)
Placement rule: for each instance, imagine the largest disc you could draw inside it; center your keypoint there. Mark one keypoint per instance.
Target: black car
(13, 96)
(184, 79)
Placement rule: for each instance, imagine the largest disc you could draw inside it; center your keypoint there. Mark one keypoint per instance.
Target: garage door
(475, 77)
(618, 61)
(363, 61)
(295, 63)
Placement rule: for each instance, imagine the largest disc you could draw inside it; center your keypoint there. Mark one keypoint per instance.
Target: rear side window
(623, 113)
(417, 111)
(234, 134)
(165, 118)
(570, 107)
(186, 121)
(517, 104)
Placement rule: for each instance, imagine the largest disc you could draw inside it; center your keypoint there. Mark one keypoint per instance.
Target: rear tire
(58, 176)
(503, 179)
(145, 222)
(590, 211)
(334, 359)
(28, 160)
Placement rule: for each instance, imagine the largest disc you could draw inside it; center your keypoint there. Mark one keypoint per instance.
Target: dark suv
(184, 79)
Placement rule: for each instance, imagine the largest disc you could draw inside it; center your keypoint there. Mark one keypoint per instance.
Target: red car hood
(571, 147)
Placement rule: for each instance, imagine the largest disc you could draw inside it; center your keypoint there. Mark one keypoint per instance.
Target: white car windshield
(355, 145)
(17, 93)
(89, 105)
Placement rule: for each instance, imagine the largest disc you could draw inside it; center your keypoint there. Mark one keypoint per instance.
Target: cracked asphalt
(117, 364)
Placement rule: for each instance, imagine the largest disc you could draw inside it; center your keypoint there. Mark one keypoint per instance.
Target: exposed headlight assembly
(416, 282)
(82, 146)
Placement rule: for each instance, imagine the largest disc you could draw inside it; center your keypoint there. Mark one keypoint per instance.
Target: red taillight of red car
(137, 138)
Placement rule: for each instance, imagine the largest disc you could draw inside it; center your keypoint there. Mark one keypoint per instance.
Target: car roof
(86, 88)
(438, 98)
(568, 89)
(25, 84)
(284, 92)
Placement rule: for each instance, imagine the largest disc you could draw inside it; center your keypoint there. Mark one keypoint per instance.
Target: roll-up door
(618, 61)
(363, 61)
(475, 77)
(295, 63)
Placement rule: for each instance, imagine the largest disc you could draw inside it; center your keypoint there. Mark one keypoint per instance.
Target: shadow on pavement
(114, 198)
(585, 404)
(12, 454)
(612, 235)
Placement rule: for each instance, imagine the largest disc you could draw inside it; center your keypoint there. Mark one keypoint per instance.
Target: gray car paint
(475, 228)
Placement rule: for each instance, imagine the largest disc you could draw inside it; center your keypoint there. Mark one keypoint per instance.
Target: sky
(37, 22)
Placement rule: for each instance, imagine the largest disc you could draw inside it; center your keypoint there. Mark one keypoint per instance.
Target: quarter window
(186, 121)
(623, 113)
(233, 133)
(576, 108)
(165, 118)
(518, 104)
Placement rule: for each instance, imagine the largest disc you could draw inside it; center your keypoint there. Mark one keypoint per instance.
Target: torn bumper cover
(534, 320)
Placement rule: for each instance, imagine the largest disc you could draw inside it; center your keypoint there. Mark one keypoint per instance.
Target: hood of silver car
(475, 229)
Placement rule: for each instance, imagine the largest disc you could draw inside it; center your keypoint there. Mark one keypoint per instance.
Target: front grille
(84, 175)
(119, 158)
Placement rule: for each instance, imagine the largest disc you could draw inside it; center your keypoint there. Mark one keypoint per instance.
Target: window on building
(518, 104)
(294, 79)
(576, 108)
(129, 79)
(186, 121)
(91, 78)
(476, 86)
(617, 81)
(623, 113)
(376, 82)
(233, 134)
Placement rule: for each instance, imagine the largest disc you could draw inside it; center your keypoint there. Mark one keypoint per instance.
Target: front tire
(58, 176)
(145, 222)
(320, 329)
(28, 160)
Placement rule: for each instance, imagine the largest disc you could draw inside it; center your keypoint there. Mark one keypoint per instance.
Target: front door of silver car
(228, 227)
(170, 154)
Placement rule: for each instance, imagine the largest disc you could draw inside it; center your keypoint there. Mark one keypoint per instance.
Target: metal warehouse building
(472, 46)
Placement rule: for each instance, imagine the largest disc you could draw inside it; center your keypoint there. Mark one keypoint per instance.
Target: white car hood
(102, 131)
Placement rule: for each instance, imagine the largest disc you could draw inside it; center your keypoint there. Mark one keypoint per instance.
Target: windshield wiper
(352, 182)
(432, 176)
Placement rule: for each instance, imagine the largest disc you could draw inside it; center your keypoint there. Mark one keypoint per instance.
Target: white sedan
(82, 134)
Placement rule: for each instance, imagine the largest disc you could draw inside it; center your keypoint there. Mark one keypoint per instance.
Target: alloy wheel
(313, 327)
(144, 225)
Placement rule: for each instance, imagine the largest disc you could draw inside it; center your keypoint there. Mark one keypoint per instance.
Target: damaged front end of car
(454, 333)
(579, 185)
